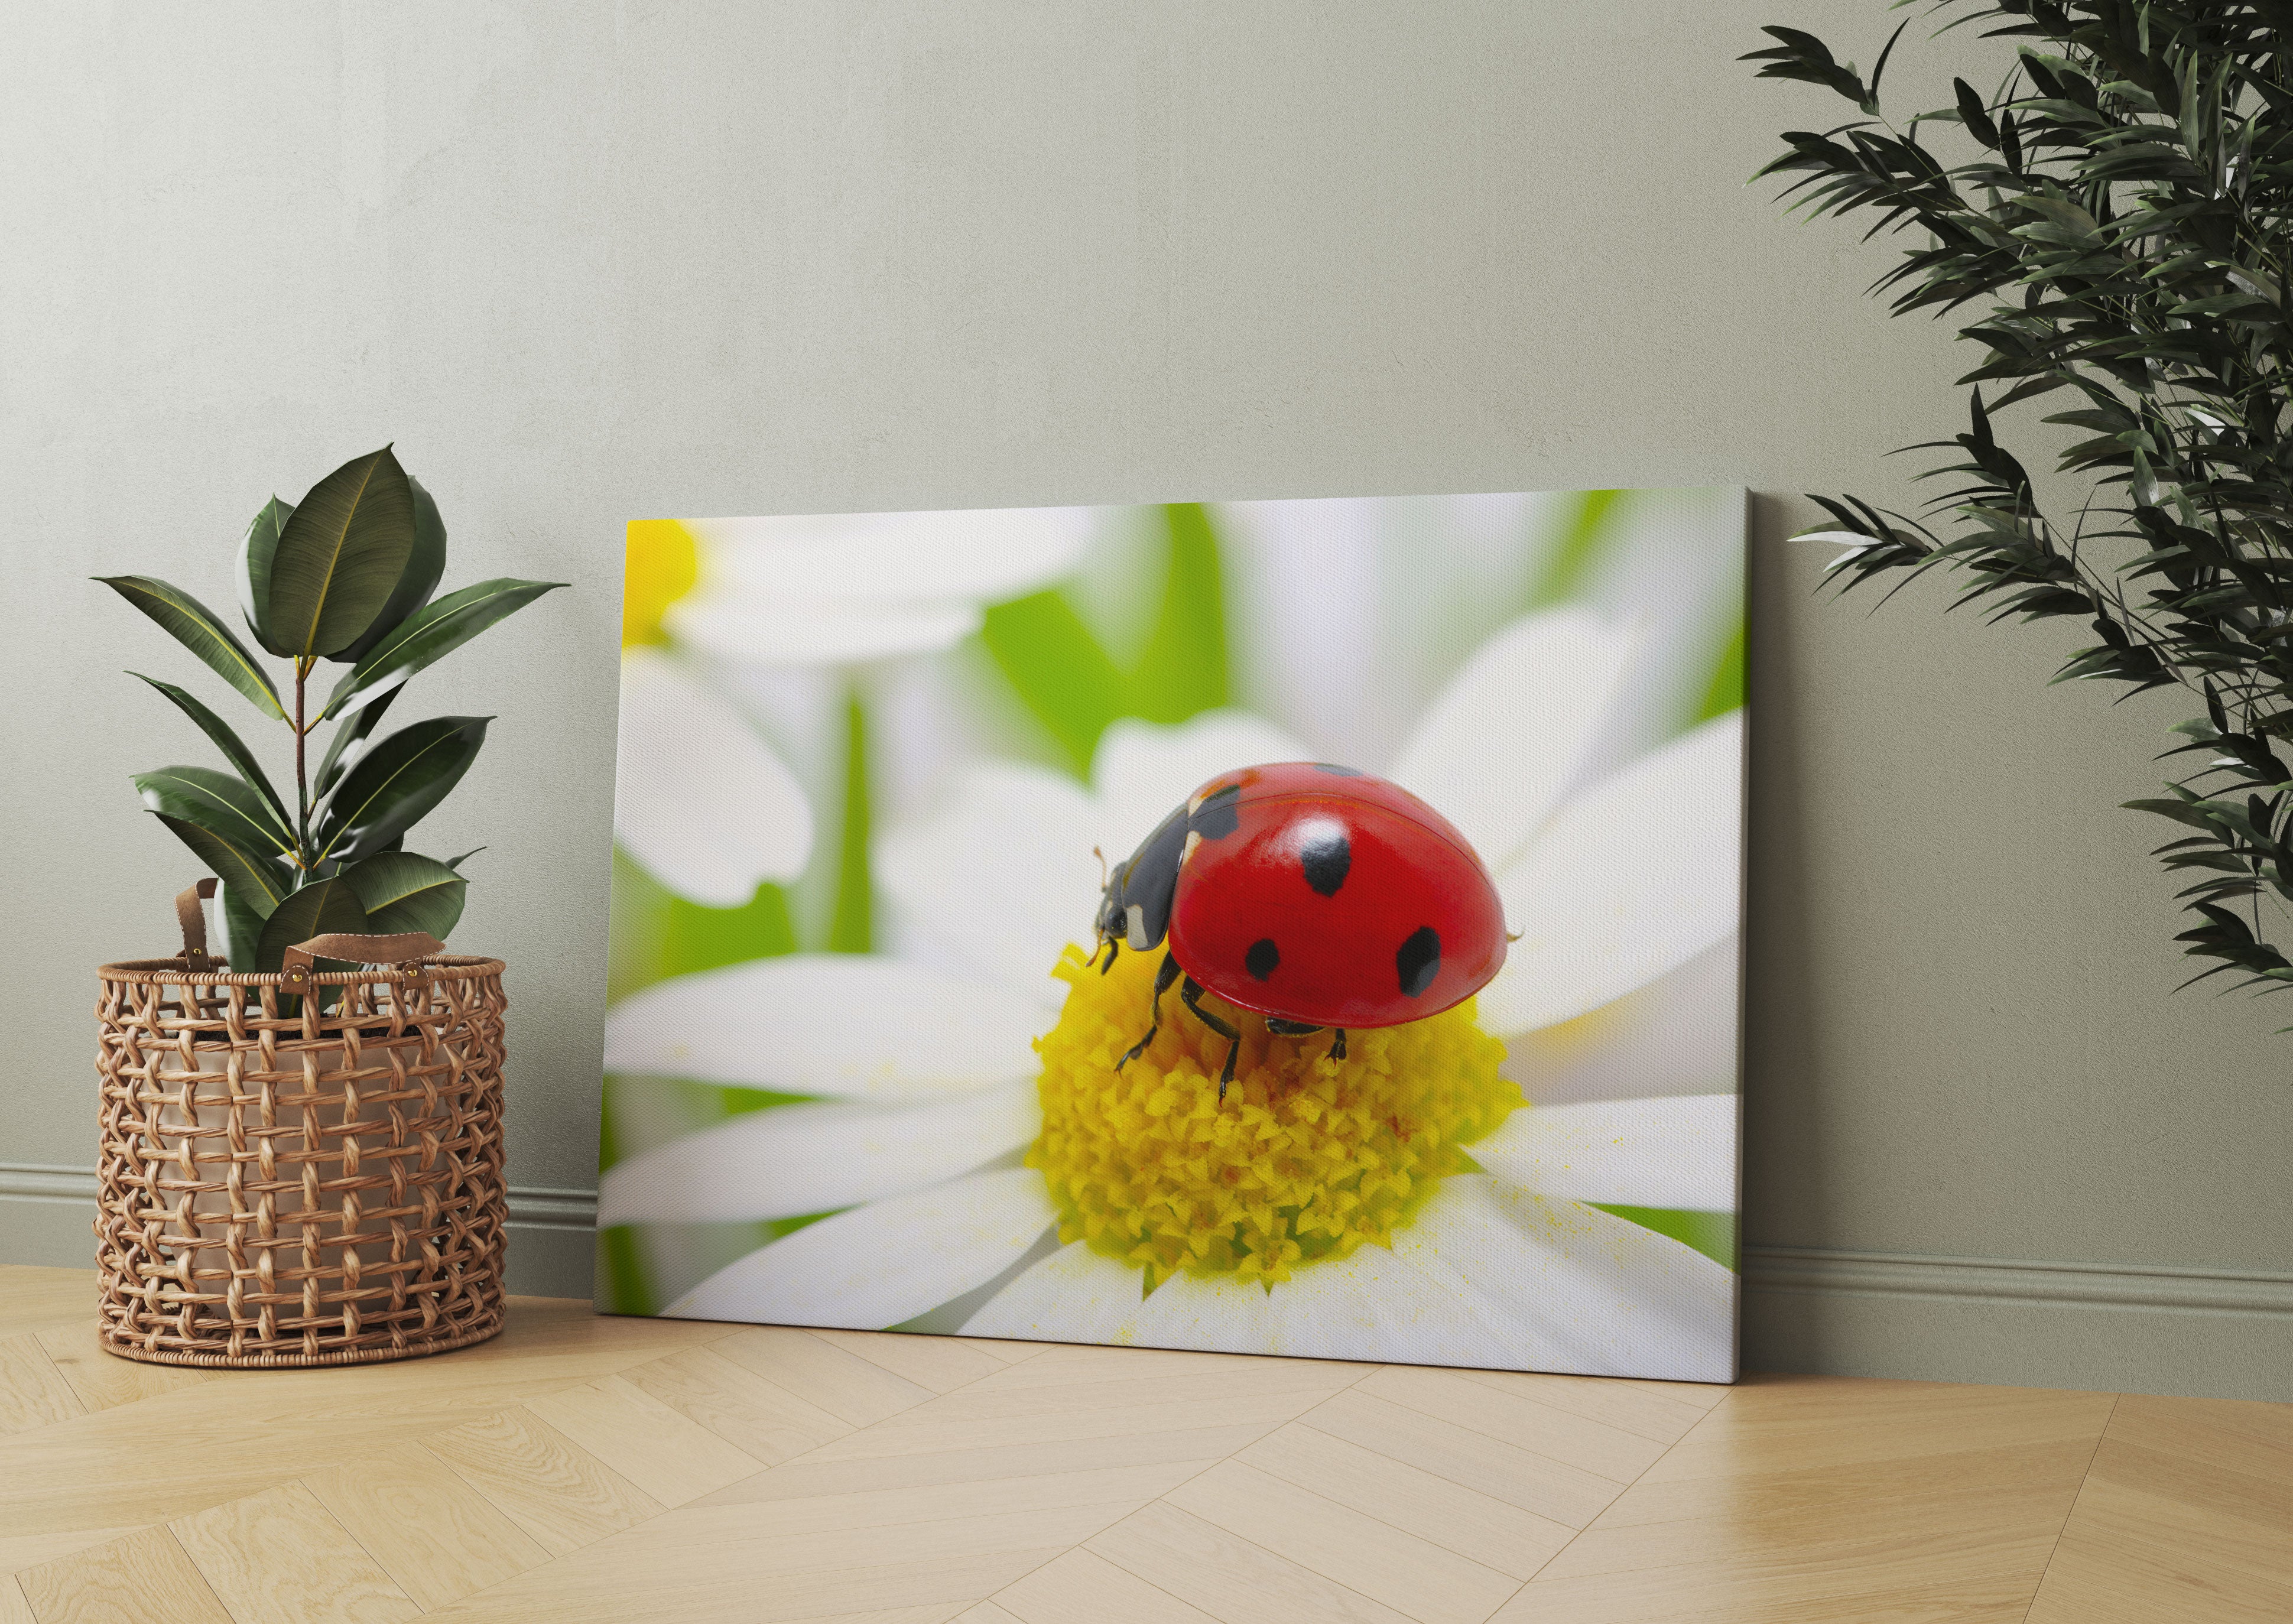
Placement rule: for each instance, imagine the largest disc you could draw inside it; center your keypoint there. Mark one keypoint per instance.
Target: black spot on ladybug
(1326, 855)
(1336, 771)
(1262, 959)
(1419, 961)
(1220, 814)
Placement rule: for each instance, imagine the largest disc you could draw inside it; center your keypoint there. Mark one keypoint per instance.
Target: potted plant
(345, 576)
(2108, 223)
(302, 1148)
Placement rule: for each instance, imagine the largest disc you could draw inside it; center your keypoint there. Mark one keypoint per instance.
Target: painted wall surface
(585, 262)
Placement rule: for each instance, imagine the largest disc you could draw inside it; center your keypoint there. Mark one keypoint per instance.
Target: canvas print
(1276, 927)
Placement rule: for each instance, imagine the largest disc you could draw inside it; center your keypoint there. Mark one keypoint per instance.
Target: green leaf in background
(242, 928)
(1713, 1234)
(194, 625)
(1725, 692)
(256, 550)
(1068, 681)
(1569, 559)
(318, 909)
(218, 802)
(396, 784)
(260, 881)
(1058, 668)
(349, 742)
(233, 747)
(851, 926)
(403, 891)
(340, 556)
(1182, 670)
(425, 563)
(427, 635)
(658, 935)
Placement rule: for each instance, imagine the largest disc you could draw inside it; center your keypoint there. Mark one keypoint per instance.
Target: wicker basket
(292, 1176)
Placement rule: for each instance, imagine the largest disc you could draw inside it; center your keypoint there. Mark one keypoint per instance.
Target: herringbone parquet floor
(618, 1471)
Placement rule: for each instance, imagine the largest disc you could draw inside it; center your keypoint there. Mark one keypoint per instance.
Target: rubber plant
(345, 576)
(2111, 224)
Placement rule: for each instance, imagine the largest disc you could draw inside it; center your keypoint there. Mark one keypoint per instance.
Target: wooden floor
(622, 1471)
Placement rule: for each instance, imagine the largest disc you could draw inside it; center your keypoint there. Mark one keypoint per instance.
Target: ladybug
(1316, 896)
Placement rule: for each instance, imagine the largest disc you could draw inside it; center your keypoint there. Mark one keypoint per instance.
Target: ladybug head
(1111, 924)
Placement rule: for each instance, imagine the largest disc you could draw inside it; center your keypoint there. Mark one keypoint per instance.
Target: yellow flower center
(662, 564)
(1307, 1158)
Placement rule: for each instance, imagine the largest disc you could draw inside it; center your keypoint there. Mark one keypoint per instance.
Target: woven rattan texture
(284, 1184)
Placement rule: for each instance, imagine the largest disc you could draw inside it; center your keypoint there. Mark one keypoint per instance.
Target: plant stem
(301, 788)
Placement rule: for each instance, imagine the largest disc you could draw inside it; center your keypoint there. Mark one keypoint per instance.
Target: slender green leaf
(396, 784)
(320, 908)
(456, 863)
(419, 579)
(851, 928)
(216, 800)
(1713, 1234)
(341, 556)
(234, 750)
(256, 549)
(260, 879)
(1059, 670)
(195, 625)
(350, 742)
(1182, 670)
(402, 892)
(1576, 546)
(1725, 691)
(428, 635)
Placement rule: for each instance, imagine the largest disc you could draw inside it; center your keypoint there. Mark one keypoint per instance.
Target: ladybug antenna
(1101, 856)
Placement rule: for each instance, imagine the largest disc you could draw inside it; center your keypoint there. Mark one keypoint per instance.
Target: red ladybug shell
(1331, 898)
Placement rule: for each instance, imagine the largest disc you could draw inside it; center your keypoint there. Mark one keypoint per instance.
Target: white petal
(1075, 1295)
(1668, 1153)
(1511, 732)
(848, 1024)
(1676, 1035)
(1002, 874)
(1635, 876)
(789, 1160)
(882, 1264)
(762, 629)
(976, 554)
(698, 800)
(1143, 770)
(1595, 1294)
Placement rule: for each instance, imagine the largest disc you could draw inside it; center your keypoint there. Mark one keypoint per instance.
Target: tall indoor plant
(346, 575)
(2114, 218)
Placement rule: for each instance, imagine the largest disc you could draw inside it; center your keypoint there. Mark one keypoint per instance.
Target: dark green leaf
(260, 879)
(256, 549)
(424, 567)
(395, 784)
(242, 929)
(321, 908)
(428, 635)
(228, 741)
(402, 892)
(217, 801)
(341, 556)
(350, 742)
(195, 625)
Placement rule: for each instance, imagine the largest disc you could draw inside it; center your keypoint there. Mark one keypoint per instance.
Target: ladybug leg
(1164, 976)
(1191, 996)
(1337, 1042)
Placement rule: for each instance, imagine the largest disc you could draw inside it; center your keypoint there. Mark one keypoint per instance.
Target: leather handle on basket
(295, 963)
(193, 919)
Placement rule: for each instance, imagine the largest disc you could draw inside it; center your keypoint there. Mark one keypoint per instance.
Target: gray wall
(586, 262)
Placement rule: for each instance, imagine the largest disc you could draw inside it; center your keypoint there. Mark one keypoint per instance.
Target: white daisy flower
(928, 1141)
(702, 802)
